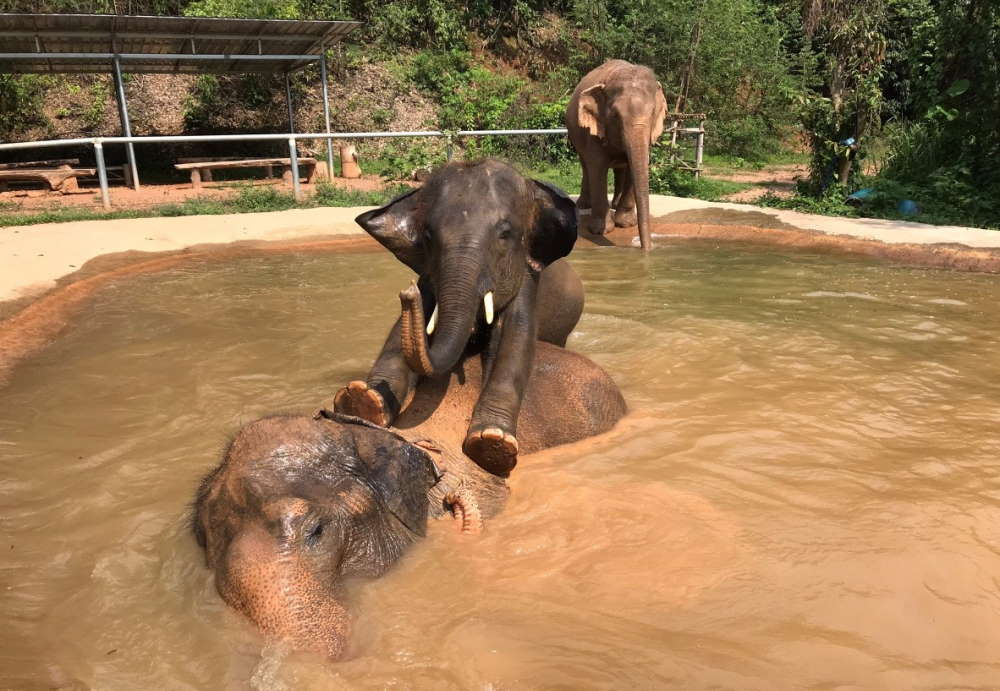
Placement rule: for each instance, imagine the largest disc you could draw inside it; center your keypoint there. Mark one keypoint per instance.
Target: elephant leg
(491, 441)
(600, 216)
(616, 199)
(625, 207)
(379, 398)
(583, 201)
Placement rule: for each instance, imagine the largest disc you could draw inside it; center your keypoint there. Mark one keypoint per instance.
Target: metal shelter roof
(48, 43)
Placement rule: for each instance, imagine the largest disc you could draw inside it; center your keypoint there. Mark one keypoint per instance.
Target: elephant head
(471, 233)
(625, 110)
(298, 505)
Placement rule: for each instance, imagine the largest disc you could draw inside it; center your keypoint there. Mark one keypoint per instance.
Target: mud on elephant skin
(485, 244)
(299, 504)
(615, 115)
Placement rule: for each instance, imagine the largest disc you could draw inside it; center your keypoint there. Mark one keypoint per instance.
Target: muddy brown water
(806, 494)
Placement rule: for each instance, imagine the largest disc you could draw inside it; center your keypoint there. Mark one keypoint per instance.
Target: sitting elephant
(484, 242)
(298, 504)
(615, 115)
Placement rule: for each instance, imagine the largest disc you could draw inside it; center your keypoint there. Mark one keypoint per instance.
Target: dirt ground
(149, 195)
(778, 180)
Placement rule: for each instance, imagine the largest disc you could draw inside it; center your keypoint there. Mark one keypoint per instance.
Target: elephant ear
(589, 109)
(398, 472)
(659, 115)
(554, 232)
(398, 226)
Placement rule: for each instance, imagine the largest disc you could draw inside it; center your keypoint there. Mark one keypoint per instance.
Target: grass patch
(331, 195)
(933, 206)
(565, 175)
(726, 163)
(249, 200)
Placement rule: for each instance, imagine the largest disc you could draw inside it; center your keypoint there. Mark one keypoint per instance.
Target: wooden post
(349, 167)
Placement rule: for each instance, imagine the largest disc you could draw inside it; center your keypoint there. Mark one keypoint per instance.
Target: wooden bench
(62, 179)
(202, 169)
(49, 163)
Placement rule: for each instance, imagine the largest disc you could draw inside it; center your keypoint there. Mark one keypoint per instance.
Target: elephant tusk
(488, 306)
(433, 322)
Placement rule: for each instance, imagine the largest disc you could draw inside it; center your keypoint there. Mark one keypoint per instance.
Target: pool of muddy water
(806, 493)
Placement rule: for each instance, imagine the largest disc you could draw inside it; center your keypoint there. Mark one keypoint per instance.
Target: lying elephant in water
(482, 240)
(298, 504)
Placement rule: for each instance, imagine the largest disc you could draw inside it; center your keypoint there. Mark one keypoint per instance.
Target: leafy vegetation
(20, 103)
(898, 96)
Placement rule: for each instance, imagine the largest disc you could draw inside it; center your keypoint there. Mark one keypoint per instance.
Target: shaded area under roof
(50, 43)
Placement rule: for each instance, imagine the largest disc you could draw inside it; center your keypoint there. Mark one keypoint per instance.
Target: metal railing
(450, 136)
(99, 142)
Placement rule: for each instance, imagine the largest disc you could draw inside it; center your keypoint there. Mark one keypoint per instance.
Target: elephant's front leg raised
(492, 441)
(379, 398)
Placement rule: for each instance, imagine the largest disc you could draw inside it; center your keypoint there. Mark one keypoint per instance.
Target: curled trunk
(637, 150)
(412, 332)
(458, 304)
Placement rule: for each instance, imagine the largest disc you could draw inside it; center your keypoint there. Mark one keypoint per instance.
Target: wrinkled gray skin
(298, 504)
(616, 113)
(472, 229)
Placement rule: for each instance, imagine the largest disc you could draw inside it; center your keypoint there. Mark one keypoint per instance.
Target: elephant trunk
(412, 332)
(637, 150)
(271, 584)
(458, 305)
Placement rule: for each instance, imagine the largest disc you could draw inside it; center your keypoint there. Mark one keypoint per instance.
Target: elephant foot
(360, 401)
(625, 218)
(598, 225)
(494, 450)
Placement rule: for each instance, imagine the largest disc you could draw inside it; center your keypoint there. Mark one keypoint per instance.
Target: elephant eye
(506, 232)
(313, 536)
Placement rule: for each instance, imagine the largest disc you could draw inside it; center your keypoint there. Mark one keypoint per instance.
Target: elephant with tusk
(299, 504)
(487, 246)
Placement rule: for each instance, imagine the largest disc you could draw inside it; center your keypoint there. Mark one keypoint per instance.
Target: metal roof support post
(102, 173)
(293, 154)
(699, 151)
(326, 113)
(126, 126)
(288, 100)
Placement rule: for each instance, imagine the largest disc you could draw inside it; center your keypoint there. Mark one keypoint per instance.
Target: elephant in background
(615, 115)
(485, 244)
(299, 504)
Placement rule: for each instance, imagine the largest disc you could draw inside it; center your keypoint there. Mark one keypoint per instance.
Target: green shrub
(202, 102)
(332, 195)
(398, 158)
(100, 93)
(750, 138)
(261, 198)
(21, 103)
(253, 9)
